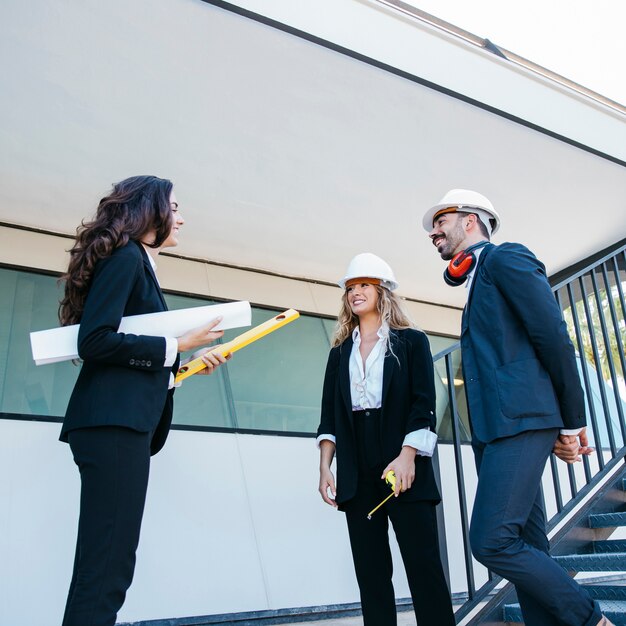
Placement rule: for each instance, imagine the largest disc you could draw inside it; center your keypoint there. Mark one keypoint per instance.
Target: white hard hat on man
(467, 201)
(368, 265)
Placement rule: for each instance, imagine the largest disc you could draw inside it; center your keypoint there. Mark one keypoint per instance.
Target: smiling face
(362, 298)
(177, 222)
(448, 234)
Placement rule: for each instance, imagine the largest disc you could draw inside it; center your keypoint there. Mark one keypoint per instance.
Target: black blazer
(518, 361)
(408, 404)
(122, 381)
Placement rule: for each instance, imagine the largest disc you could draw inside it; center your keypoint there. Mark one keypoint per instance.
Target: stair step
(608, 546)
(611, 562)
(607, 592)
(614, 610)
(607, 520)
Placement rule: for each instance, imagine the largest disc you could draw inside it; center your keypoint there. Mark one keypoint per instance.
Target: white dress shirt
(468, 286)
(366, 389)
(171, 343)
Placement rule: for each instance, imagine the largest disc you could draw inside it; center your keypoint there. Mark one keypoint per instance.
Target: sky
(582, 40)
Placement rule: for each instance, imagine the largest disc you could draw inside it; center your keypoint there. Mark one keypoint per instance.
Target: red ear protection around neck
(461, 264)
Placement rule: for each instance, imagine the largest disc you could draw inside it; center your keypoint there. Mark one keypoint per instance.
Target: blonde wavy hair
(389, 307)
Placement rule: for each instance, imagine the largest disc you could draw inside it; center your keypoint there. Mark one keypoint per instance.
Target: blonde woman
(378, 414)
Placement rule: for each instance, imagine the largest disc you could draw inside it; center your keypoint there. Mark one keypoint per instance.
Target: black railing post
(614, 319)
(609, 357)
(570, 468)
(454, 423)
(588, 392)
(618, 284)
(596, 359)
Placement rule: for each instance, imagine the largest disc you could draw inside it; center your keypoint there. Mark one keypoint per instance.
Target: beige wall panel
(234, 284)
(327, 299)
(34, 250)
(48, 252)
(440, 320)
(183, 275)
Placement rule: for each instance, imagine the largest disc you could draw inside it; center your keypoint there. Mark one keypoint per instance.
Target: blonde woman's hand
(327, 483)
(404, 468)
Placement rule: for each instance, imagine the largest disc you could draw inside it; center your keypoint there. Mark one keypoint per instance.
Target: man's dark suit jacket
(408, 404)
(518, 361)
(122, 381)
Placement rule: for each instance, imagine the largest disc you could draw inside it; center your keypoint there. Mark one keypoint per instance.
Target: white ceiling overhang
(287, 156)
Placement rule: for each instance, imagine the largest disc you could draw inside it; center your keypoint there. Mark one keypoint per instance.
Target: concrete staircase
(607, 556)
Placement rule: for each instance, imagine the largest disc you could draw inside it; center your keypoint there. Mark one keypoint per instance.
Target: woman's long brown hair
(135, 207)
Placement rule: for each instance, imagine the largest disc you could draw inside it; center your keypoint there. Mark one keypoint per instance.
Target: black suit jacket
(122, 381)
(408, 404)
(518, 361)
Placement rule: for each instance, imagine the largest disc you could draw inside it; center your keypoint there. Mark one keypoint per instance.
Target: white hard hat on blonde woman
(368, 265)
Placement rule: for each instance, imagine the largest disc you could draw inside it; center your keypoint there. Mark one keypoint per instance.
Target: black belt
(365, 413)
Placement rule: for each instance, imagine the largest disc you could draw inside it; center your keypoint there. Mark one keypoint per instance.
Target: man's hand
(404, 468)
(571, 448)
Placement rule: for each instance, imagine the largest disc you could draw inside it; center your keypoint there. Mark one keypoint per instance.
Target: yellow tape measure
(241, 341)
(390, 479)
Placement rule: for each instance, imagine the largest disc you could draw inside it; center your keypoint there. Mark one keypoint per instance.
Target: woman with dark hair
(378, 414)
(120, 411)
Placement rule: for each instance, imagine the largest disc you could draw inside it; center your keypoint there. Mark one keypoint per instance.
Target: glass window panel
(274, 384)
(329, 328)
(29, 302)
(444, 414)
(277, 381)
(439, 343)
(201, 400)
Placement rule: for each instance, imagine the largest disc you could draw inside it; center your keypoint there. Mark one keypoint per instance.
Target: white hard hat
(465, 200)
(368, 265)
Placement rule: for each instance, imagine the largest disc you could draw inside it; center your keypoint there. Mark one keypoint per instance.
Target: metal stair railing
(594, 306)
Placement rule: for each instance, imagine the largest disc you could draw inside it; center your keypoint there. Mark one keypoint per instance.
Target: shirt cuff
(326, 436)
(423, 440)
(171, 351)
(570, 431)
(172, 383)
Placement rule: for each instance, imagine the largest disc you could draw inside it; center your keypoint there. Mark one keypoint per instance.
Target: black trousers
(114, 465)
(415, 526)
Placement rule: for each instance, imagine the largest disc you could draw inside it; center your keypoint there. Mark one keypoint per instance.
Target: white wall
(232, 523)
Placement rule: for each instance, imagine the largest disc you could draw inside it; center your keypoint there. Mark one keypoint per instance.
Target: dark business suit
(118, 415)
(522, 387)
(365, 443)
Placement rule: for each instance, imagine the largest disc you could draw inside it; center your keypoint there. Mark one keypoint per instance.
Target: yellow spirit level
(241, 341)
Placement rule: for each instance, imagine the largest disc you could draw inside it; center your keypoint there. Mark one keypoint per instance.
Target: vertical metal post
(570, 468)
(454, 419)
(614, 320)
(596, 358)
(618, 284)
(609, 357)
(588, 392)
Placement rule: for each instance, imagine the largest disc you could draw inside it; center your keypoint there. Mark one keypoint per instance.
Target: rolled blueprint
(61, 344)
